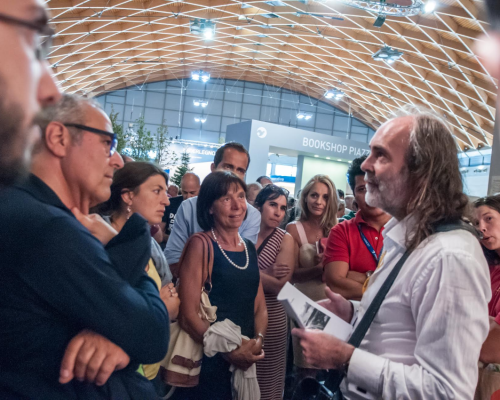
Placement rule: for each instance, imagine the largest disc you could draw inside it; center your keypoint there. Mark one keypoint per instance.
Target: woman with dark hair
(487, 220)
(236, 288)
(141, 187)
(277, 258)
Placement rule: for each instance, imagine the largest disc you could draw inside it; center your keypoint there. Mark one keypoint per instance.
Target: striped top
(271, 370)
(269, 249)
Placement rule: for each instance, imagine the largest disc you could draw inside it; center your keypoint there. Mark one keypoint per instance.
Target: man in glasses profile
(63, 292)
(26, 82)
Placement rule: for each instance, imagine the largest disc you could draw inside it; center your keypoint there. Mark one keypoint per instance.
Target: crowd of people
(103, 259)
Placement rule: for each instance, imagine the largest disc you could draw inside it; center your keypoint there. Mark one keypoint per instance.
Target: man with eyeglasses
(72, 288)
(26, 82)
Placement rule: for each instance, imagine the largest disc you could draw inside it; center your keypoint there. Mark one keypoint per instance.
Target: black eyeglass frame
(43, 47)
(114, 138)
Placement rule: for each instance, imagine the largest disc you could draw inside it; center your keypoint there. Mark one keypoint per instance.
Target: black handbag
(310, 388)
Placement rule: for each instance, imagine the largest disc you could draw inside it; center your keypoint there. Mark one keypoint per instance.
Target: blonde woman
(319, 206)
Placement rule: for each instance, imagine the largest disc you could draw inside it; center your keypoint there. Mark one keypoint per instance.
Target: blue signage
(287, 179)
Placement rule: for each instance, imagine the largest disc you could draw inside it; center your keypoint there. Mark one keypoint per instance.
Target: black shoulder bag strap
(334, 378)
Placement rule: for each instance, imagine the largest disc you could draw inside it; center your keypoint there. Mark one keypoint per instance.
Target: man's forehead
(96, 114)
(234, 154)
(394, 132)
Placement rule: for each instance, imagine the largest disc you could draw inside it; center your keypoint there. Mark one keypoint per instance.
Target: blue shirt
(57, 280)
(186, 224)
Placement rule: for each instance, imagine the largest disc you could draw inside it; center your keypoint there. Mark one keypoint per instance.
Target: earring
(129, 212)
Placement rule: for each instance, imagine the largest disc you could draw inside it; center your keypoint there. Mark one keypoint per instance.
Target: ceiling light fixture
(197, 75)
(385, 8)
(387, 54)
(335, 94)
(303, 115)
(200, 102)
(430, 6)
(201, 119)
(203, 27)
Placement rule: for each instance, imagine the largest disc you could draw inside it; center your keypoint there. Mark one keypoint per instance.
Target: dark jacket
(56, 280)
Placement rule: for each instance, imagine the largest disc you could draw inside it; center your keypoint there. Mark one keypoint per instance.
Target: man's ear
(212, 167)
(57, 139)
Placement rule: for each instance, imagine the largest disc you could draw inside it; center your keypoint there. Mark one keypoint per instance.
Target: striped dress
(271, 370)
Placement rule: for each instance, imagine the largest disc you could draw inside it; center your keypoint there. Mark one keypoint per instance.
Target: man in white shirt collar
(230, 157)
(425, 340)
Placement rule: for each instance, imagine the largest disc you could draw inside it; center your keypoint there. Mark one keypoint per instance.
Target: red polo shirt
(346, 244)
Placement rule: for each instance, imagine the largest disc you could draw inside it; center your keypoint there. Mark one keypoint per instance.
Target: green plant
(140, 141)
(118, 130)
(182, 169)
(165, 157)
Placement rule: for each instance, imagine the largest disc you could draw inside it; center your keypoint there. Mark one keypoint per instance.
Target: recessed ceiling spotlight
(316, 155)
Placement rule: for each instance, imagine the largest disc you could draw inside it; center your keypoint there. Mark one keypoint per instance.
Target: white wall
(476, 181)
(337, 171)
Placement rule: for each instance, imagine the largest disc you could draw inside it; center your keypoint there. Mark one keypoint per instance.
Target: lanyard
(368, 245)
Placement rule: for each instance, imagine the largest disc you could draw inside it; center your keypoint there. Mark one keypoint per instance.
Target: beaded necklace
(225, 255)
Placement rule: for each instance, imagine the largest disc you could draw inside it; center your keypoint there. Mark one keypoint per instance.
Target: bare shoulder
(291, 230)
(287, 239)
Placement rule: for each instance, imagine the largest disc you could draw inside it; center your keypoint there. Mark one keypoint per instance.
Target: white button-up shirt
(424, 342)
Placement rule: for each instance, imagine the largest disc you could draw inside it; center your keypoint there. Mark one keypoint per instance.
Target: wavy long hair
(434, 178)
(492, 202)
(329, 219)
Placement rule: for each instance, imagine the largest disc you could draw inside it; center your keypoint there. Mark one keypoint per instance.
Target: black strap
(334, 378)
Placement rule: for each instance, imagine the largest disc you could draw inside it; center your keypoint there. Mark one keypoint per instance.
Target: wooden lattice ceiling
(104, 45)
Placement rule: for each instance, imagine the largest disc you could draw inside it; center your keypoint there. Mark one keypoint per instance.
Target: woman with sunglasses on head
(487, 221)
(277, 258)
(141, 187)
(319, 206)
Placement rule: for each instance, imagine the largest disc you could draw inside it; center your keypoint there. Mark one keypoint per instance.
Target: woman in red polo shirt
(487, 210)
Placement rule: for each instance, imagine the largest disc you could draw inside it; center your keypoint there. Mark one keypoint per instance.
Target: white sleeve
(449, 303)
(250, 228)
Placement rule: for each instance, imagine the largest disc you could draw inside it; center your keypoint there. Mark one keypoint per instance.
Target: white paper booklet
(309, 314)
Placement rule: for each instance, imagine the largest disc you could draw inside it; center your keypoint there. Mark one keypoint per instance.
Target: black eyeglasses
(114, 139)
(43, 38)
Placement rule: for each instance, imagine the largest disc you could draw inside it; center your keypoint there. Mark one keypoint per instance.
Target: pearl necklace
(225, 255)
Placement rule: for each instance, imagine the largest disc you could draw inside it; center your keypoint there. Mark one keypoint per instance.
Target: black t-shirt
(170, 211)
